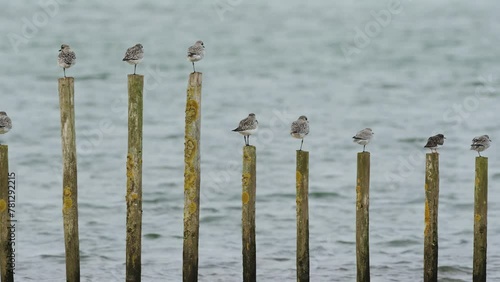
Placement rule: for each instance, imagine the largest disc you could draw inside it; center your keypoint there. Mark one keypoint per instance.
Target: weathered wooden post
(134, 177)
(431, 217)
(302, 199)
(363, 218)
(480, 219)
(70, 188)
(6, 254)
(192, 178)
(248, 214)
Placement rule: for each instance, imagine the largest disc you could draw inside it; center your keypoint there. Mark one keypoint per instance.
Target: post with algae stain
(5, 248)
(302, 199)
(480, 219)
(70, 188)
(431, 217)
(134, 178)
(192, 179)
(248, 214)
(363, 218)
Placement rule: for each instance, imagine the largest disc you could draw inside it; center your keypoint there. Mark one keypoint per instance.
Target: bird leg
(248, 140)
(64, 70)
(134, 68)
(364, 147)
(302, 142)
(479, 153)
(193, 68)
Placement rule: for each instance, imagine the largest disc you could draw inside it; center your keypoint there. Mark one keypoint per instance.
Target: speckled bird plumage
(66, 57)
(196, 52)
(363, 137)
(134, 55)
(247, 127)
(300, 129)
(434, 141)
(5, 123)
(480, 143)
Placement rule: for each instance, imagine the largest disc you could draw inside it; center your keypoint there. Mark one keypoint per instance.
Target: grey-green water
(428, 68)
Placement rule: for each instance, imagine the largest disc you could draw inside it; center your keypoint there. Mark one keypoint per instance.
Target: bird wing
(295, 128)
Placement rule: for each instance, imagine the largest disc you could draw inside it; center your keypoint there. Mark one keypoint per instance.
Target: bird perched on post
(66, 58)
(480, 143)
(5, 123)
(299, 129)
(196, 52)
(247, 127)
(134, 55)
(363, 137)
(434, 141)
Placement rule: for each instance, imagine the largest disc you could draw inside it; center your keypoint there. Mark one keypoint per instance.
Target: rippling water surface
(432, 67)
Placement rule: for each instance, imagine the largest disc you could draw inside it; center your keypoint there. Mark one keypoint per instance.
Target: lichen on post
(248, 195)
(480, 220)
(134, 177)
(302, 201)
(431, 217)
(363, 218)
(192, 178)
(70, 187)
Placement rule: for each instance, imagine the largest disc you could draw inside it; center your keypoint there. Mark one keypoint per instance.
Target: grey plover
(434, 141)
(196, 52)
(247, 127)
(480, 143)
(66, 58)
(363, 137)
(134, 55)
(299, 129)
(5, 123)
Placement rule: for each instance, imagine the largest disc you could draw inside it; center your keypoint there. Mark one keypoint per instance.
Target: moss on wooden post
(134, 178)
(70, 188)
(192, 178)
(5, 248)
(248, 214)
(302, 200)
(431, 217)
(480, 220)
(363, 218)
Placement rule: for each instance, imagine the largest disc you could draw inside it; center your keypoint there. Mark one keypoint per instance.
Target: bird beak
(60, 50)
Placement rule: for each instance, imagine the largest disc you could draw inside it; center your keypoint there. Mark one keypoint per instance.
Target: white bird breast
(194, 58)
(134, 62)
(298, 135)
(363, 142)
(247, 132)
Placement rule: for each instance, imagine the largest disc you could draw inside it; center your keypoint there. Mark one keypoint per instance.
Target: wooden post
(134, 177)
(363, 218)
(70, 188)
(431, 217)
(192, 179)
(302, 186)
(248, 214)
(480, 219)
(5, 248)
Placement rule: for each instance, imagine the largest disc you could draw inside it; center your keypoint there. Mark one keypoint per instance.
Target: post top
(364, 153)
(135, 75)
(249, 147)
(66, 78)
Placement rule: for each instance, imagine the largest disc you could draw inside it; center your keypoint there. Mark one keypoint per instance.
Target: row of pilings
(192, 176)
